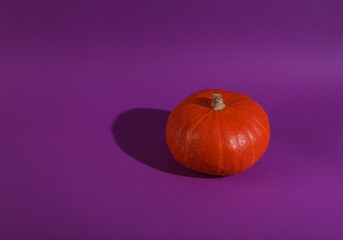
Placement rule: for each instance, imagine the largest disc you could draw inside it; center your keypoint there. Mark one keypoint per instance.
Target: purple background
(85, 91)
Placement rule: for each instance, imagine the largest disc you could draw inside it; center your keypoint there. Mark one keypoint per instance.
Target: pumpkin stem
(217, 102)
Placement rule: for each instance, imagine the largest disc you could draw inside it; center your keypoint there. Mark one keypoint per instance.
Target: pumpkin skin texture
(218, 132)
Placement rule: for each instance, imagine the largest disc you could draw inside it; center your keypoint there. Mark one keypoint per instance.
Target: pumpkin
(218, 132)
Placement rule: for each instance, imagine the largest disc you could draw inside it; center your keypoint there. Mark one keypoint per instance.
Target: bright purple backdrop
(85, 91)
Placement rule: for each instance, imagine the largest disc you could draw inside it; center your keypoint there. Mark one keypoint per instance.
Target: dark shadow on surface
(205, 102)
(140, 132)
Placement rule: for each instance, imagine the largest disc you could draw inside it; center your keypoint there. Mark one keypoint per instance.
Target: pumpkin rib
(221, 157)
(243, 101)
(236, 153)
(239, 104)
(256, 108)
(190, 134)
(255, 131)
(235, 166)
(252, 146)
(235, 104)
(228, 114)
(261, 127)
(249, 136)
(228, 95)
(254, 121)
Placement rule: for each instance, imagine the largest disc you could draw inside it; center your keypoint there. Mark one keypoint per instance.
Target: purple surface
(85, 91)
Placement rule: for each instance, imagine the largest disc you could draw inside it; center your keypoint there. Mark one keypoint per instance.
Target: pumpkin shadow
(140, 132)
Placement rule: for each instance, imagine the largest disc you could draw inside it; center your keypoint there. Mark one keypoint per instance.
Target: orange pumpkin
(218, 132)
